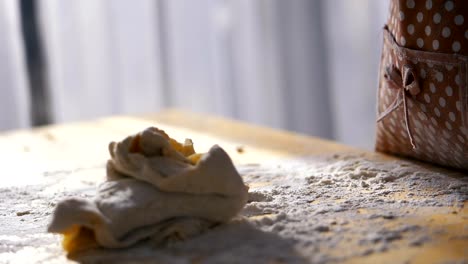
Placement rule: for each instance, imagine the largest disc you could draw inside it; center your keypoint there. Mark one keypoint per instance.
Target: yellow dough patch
(78, 238)
(185, 149)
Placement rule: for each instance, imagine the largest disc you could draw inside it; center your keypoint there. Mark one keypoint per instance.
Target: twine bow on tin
(407, 84)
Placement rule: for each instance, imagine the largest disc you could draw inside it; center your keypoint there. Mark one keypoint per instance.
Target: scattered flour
(298, 211)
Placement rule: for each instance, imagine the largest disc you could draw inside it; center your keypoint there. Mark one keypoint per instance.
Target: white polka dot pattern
(420, 17)
(410, 29)
(439, 76)
(446, 32)
(427, 33)
(442, 23)
(442, 101)
(459, 20)
(449, 5)
(448, 91)
(456, 46)
(427, 98)
(429, 4)
(420, 42)
(437, 18)
(427, 29)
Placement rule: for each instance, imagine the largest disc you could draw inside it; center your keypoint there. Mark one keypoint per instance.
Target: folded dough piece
(156, 188)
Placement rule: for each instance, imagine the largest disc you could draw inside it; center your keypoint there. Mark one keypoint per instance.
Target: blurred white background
(304, 65)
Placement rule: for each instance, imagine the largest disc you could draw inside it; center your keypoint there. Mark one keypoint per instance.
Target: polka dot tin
(423, 92)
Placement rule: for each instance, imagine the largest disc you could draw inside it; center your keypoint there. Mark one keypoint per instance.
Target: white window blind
(304, 65)
(14, 99)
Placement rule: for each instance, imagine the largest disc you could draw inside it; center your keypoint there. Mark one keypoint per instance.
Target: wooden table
(46, 161)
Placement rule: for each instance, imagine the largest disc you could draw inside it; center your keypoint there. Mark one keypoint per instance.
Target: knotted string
(405, 82)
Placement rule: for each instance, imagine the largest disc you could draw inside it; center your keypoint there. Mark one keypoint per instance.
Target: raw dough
(157, 189)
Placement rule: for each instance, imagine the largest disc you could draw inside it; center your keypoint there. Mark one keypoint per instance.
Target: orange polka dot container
(423, 92)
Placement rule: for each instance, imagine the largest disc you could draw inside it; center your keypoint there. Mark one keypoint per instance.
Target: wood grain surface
(43, 163)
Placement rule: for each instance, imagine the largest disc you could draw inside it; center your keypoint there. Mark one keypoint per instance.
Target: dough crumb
(240, 149)
(21, 213)
(322, 228)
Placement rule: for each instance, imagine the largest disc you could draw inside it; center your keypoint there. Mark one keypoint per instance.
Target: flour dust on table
(298, 211)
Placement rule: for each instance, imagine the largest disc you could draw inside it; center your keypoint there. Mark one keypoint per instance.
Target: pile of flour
(299, 211)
